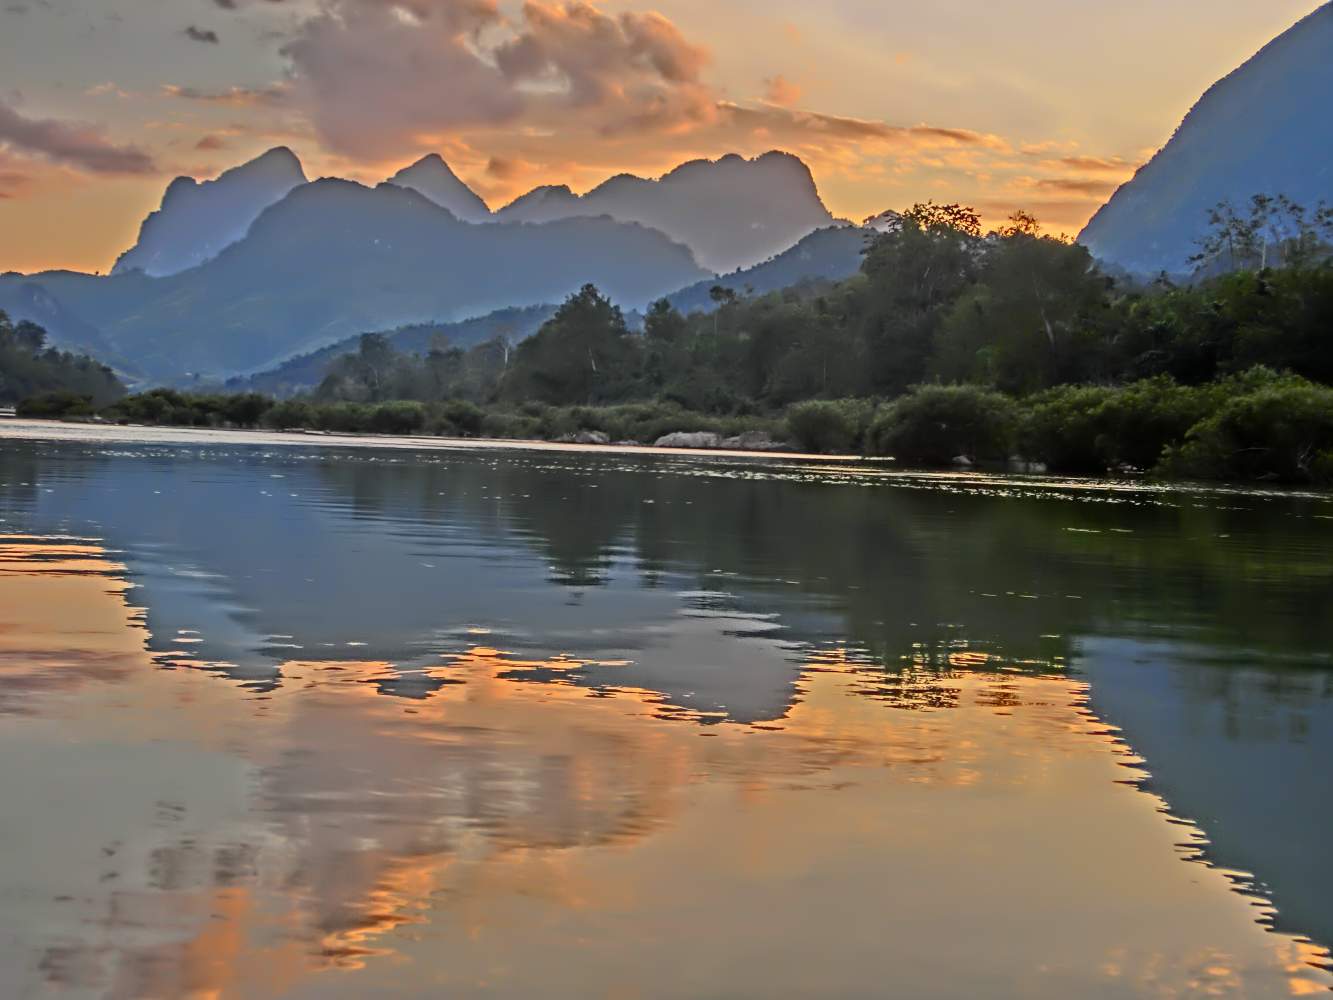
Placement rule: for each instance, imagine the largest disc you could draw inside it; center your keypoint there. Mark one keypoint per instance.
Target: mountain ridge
(435, 180)
(198, 220)
(336, 258)
(1261, 129)
(733, 212)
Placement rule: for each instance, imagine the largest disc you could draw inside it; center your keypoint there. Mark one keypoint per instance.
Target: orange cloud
(781, 91)
(83, 147)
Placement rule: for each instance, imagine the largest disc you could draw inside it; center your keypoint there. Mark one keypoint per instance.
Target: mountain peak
(732, 212)
(433, 179)
(1263, 129)
(197, 221)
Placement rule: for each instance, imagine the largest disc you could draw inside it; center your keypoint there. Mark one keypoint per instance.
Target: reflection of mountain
(1238, 746)
(402, 556)
(711, 591)
(501, 838)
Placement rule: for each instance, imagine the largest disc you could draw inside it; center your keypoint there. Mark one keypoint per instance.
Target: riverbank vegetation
(950, 344)
(51, 382)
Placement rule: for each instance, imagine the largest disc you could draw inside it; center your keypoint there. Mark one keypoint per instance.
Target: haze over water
(294, 720)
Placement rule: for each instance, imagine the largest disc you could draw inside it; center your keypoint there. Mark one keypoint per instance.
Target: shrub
(1064, 428)
(161, 406)
(509, 426)
(398, 417)
(344, 418)
(457, 418)
(1281, 431)
(246, 410)
(290, 413)
(55, 406)
(934, 424)
(1095, 428)
(831, 426)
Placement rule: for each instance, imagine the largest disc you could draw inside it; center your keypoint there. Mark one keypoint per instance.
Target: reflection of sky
(501, 838)
(237, 567)
(740, 598)
(1239, 748)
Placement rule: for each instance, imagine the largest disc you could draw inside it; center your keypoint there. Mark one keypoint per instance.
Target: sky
(1045, 105)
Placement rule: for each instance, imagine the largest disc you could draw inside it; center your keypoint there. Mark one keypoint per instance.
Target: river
(284, 716)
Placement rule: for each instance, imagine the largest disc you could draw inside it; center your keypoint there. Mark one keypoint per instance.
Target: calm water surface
(283, 719)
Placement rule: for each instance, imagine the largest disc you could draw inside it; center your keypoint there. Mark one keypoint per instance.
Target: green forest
(48, 379)
(950, 343)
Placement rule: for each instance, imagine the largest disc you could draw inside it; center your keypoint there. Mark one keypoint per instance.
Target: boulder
(584, 437)
(754, 441)
(689, 439)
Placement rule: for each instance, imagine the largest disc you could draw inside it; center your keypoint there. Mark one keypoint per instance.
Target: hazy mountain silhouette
(431, 177)
(1265, 129)
(307, 370)
(334, 259)
(733, 212)
(239, 274)
(29, 300)
(198, 221)
(829, 254)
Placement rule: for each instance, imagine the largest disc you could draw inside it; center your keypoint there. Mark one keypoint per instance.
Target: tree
(1031, 319)
(1271, 231)
(913, 272)
(583, 354)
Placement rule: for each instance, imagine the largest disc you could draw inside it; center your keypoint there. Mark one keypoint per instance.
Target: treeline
(950, 343)
(1257, 425)
(936, 301)
(47, 380)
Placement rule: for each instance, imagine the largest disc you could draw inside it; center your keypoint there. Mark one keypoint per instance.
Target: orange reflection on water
(952, 833)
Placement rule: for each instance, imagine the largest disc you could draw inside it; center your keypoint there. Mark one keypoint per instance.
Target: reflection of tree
(19, 472)
(908, 569)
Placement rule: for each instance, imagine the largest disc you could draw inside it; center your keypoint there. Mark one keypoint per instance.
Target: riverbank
(73, 430)
(856, 467)
(1258, 425)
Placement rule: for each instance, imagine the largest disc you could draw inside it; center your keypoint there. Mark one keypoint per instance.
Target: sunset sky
(1041, 104)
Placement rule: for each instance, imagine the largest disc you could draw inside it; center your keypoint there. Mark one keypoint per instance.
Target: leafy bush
(934, 424)
(509, 426)
(162, 406)
(1065, 429)
(831, 426)
(290, 413)
(343, 418)
(55, 405)
(1089, 429)
(457, 418)
(247, 410)
(400, 417)
(1281, 431)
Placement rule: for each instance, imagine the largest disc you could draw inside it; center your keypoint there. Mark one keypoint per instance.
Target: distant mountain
(29, 300)
(307, 370)
(1267, 128)
(198, 221)
(334, 258)
(432, 178)
(831, 254)
(733, 212)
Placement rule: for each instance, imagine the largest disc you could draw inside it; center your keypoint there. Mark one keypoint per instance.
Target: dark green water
(290, 720)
